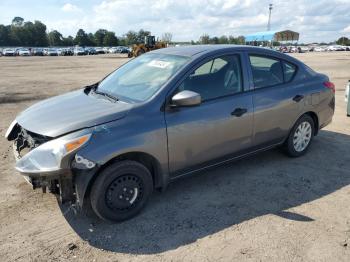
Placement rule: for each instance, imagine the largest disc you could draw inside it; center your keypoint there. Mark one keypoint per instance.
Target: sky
(315, 20)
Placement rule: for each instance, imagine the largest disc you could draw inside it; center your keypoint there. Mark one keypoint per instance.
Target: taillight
(329, 85)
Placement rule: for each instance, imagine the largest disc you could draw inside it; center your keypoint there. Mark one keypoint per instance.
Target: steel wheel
(302, 136)
(124, 192)
(121, 190)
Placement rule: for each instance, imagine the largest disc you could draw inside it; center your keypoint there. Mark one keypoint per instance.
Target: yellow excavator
(148, 45)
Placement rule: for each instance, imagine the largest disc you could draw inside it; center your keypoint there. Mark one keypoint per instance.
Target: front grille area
(25, 141)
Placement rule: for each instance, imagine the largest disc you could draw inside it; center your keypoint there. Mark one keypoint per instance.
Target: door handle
(298, 98)
(239, 112)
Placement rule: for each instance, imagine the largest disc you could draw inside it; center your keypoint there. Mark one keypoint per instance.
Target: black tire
(110, 200)
(140, 52)
(289, 146)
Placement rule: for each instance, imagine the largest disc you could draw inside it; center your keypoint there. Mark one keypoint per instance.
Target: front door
(220, 126)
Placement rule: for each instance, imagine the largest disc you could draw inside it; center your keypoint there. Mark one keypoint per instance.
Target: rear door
(277, 99)
(220, 126)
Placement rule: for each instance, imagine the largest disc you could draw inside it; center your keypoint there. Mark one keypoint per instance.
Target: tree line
(206, 39)
(27, 33)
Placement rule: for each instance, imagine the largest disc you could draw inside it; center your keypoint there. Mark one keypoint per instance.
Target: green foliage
(68, 41)
(21, 33)
(343, 41)
(4, 35)
(92, 39)
(141, 35)
(110, 39)
(82, 39)
(17, 21)
(55, 38)
(99, 36)
(206, 39)
(131, 37)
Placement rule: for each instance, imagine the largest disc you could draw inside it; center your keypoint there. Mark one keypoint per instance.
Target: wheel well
(315, 119)
(150, 162)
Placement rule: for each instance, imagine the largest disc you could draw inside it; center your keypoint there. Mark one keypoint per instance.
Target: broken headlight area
(44, 156)
(25, 141)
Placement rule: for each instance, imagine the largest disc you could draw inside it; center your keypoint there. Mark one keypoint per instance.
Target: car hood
(69, 112)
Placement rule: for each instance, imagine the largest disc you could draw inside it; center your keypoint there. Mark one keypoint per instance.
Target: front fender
(128, 135)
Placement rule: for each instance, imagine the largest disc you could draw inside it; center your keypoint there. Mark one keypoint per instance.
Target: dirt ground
(265, 208)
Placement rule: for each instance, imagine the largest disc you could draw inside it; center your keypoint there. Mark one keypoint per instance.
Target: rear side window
(289, 71)
(267, 71)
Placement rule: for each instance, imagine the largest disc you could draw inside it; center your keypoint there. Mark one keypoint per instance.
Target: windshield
(142, 77)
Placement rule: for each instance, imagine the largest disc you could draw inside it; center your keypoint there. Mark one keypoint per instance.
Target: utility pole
(269, 22)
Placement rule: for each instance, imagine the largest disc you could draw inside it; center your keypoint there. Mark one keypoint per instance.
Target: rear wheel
(121, 190)
(300, 137)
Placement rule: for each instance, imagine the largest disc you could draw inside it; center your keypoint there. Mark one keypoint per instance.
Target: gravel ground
(265, 208)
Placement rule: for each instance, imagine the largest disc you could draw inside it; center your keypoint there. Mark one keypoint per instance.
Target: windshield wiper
(104, 94)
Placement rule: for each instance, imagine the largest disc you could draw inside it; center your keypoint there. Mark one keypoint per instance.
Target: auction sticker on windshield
(159, 64)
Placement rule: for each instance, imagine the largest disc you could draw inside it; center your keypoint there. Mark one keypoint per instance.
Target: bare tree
(167, 37)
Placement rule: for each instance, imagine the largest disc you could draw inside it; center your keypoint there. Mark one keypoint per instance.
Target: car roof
(199, 50)
(192, 50)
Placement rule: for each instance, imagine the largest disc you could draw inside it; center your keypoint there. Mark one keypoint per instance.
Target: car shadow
(204, 204)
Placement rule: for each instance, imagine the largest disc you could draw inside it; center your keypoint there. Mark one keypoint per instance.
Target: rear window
(267, 71)
(289, 71)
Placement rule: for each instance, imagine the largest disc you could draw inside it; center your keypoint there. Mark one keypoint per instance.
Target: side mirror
(186, 98)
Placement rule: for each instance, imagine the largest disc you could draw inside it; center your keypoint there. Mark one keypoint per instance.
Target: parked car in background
(114, 142)
(304, 49)
(52, 52)
(113, 50)
(37, 52)
(79, 51)
(283, 49)
(122, 50)
(9, 52)
(320, 49)
(24, 52)
(90, 51)
(67, 52)
(99, 50)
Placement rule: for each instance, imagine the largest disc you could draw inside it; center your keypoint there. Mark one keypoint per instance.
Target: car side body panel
(183, 140)
(141, 133)
(198, 135)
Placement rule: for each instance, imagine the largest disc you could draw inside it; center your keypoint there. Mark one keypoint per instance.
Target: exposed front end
(49, 163)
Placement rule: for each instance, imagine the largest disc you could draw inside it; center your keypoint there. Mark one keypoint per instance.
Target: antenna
(269, 22)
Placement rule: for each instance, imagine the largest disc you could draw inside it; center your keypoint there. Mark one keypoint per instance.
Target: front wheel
(300, 137)
(140, 52)
(121, 190)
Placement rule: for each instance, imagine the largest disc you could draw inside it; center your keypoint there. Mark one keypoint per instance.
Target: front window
(217, 78)
(142, 77)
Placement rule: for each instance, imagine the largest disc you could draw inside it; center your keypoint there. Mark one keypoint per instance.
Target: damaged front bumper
(51, 162)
